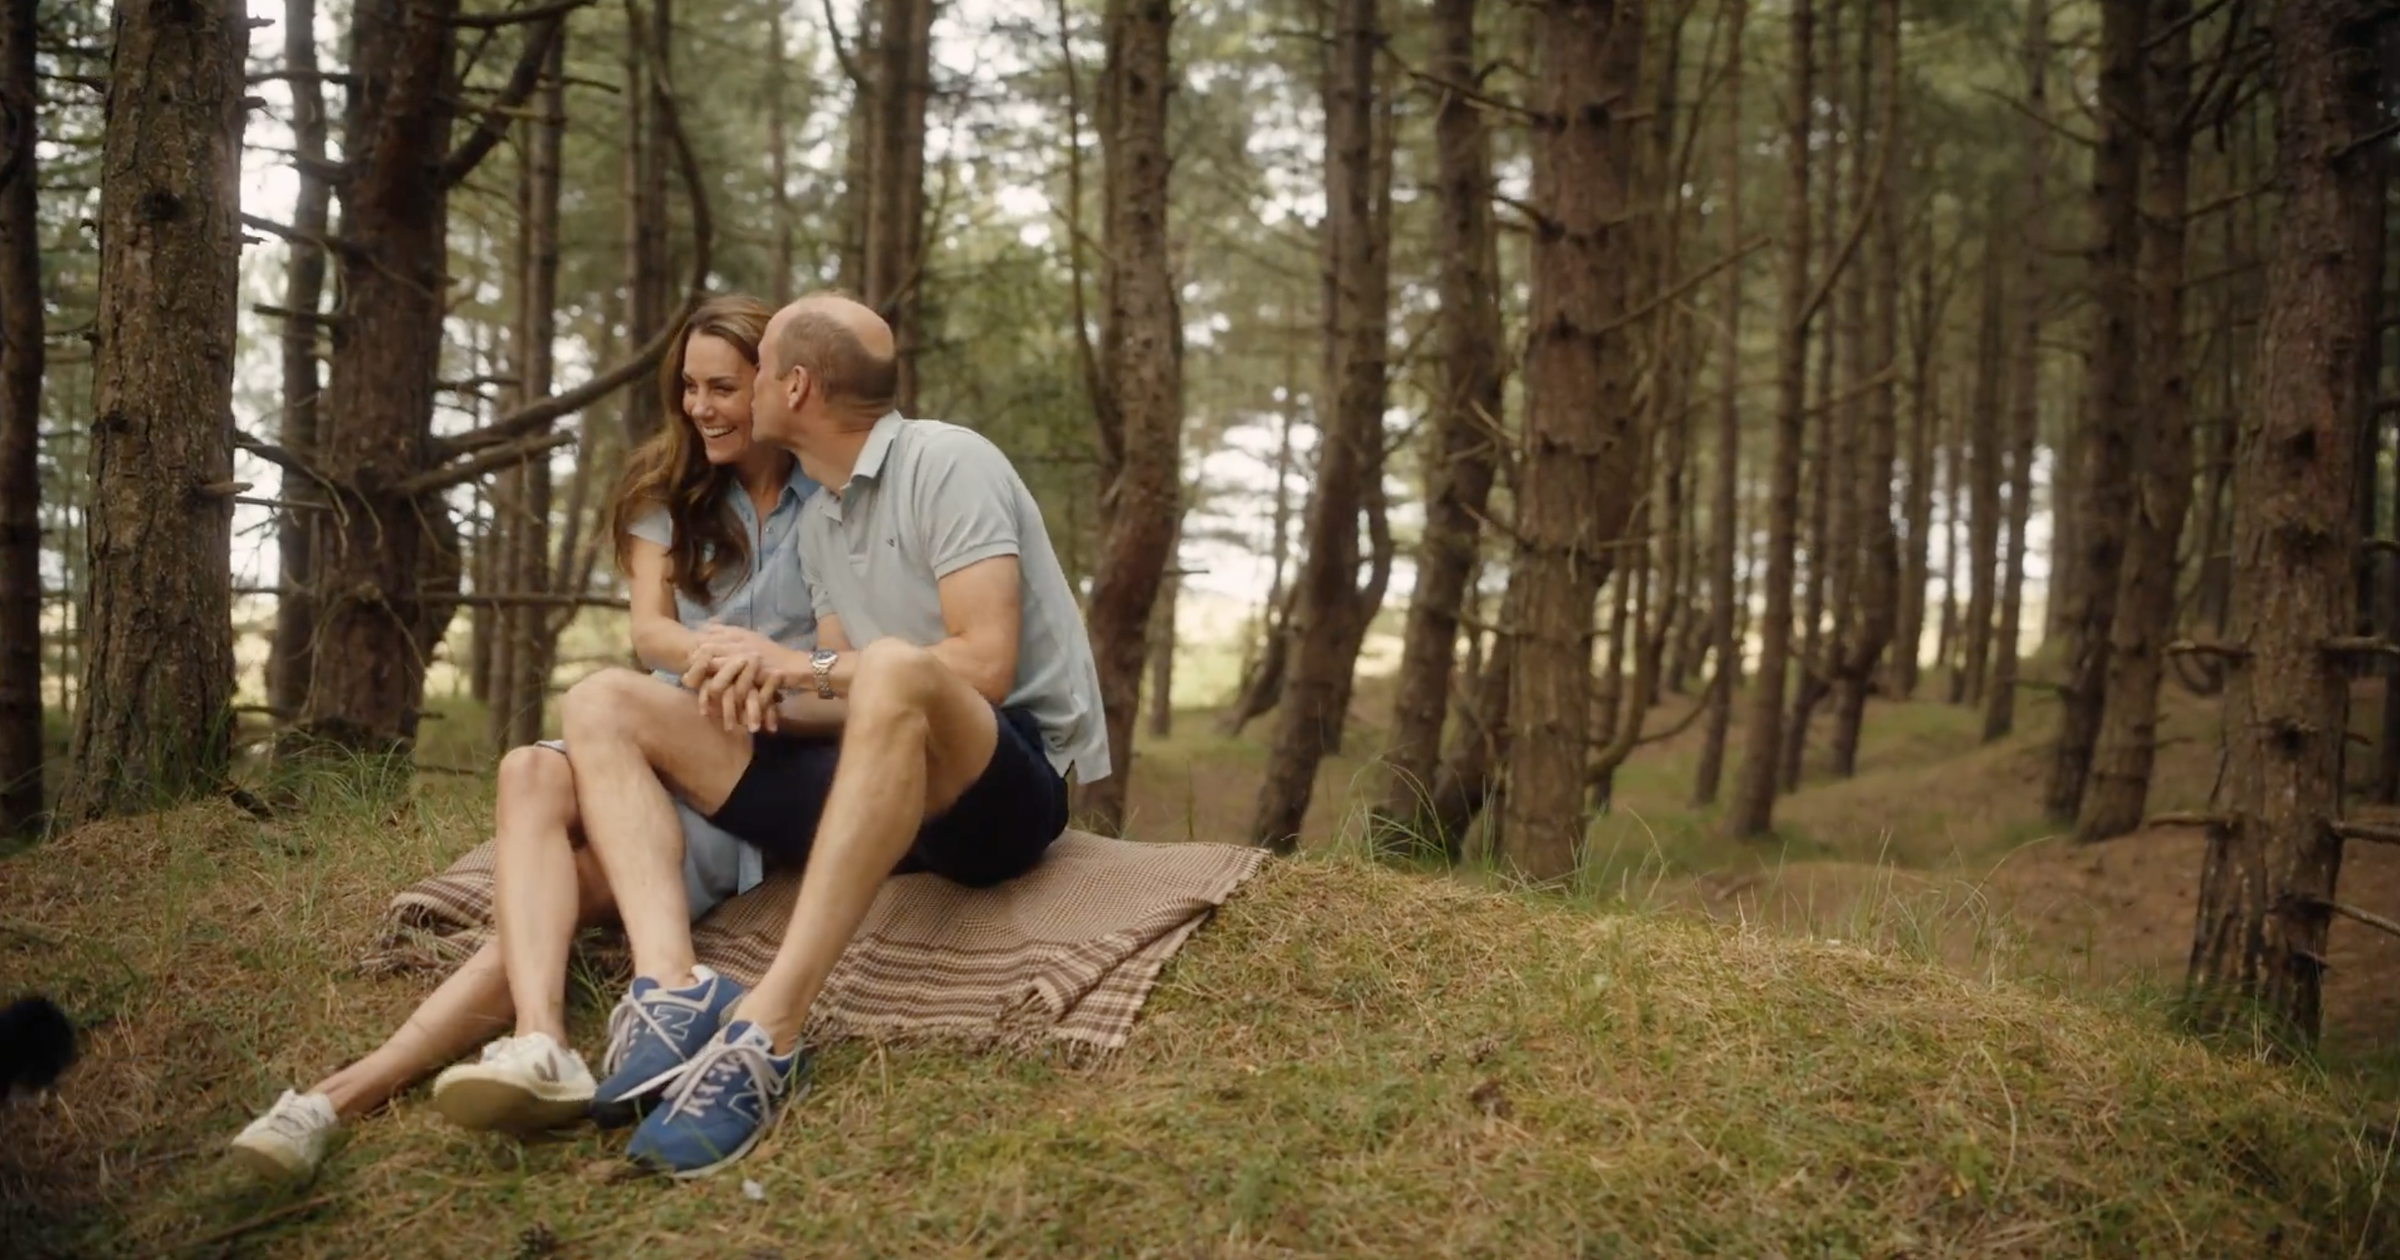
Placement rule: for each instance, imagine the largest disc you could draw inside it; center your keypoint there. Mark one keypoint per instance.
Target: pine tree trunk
(1325, 627)
(2119, 789)
(2258, 947)
(2106, 454)
(1924, 423)
(1823, 548)
(1752, 810)
(1877, 547)
(895, 220)
(1946, 657)
(858, 152)
(304, 290)
(1145, 387)
(20, 429)
(533, 641)
(155, 725)
(1582, 445)
(1466, 428)
(779, 252)
(1161, 648)
(1985, 468)
(1479, 746)
(2025, 375)
(1725, 497)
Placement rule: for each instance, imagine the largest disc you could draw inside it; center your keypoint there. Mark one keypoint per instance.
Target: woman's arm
(659, 639)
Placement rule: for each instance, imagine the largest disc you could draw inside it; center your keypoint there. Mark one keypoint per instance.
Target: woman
(703, 519)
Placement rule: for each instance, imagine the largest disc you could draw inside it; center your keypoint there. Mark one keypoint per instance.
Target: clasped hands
(738, 675)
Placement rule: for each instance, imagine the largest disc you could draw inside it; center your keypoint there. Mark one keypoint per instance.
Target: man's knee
(603, 704)
(896, 680)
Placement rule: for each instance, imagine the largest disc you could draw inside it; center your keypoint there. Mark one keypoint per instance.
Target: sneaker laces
(718, 1066)
(632, 1014)
(532, 1052)
(294, 1117)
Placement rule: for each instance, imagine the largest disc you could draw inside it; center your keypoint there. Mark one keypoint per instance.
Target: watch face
(821, 657)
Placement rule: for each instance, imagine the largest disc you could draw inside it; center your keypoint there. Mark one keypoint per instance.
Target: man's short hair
(850, 374)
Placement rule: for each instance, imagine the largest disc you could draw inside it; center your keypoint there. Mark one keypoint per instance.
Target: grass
(1348, 1060)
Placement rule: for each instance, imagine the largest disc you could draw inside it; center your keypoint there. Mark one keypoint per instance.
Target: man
(951, 657)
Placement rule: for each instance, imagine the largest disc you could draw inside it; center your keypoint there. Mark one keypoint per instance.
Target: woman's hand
(737, 675)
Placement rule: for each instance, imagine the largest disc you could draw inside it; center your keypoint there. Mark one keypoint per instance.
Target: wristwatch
(822, 661)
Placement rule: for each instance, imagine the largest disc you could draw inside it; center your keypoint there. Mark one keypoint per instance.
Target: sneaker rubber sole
(472, 1099)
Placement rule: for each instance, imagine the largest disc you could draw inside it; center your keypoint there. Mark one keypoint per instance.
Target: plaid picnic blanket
(1068, 951)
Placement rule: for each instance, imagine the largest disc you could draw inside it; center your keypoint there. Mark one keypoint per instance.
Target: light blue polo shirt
(769, 595)
(925, 500)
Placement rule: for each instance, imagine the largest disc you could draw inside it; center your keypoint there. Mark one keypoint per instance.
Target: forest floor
(1912, 1025)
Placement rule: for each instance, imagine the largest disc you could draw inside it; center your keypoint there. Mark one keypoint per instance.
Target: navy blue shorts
(997, 830)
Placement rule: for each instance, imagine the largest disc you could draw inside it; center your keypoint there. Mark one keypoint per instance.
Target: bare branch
(521, 82)
(533, 416)
(434, 480)
(2371, 833)
(328, 243)
(517, 17)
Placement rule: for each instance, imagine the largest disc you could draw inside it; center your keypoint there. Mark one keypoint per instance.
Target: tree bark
(155, 725)
(895, 221)
(645, 200)
(1876, 545)
(1752, 810)
(2106, 453)
(390, 564)
(1326, 624)
(2025, 373)
(858, 151)
(779, 253)
(304, 290)
(533, 640)
(1465, 436)
(21, 360)
(1725, 491)
(1822, 546)
(1924, 428)
(1145, 387)
(1985, 465)
(2128, 739)
(1582, 444)
(2258, 946)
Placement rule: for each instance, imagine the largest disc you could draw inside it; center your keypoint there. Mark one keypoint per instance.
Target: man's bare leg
(916, 738)
(630, 737)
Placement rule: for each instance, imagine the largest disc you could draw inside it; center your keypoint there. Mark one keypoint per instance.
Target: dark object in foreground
(37, 1044)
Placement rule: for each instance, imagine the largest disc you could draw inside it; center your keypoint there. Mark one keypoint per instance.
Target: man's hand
(738, 674)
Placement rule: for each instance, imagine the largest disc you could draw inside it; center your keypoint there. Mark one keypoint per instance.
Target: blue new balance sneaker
(721, 1106)
(652, 1036)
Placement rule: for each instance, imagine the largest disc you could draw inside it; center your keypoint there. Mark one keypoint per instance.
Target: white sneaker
(521, 1083)
(288, 1142)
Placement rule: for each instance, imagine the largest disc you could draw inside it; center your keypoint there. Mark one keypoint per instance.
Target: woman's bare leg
(538, 874)
(543, 885)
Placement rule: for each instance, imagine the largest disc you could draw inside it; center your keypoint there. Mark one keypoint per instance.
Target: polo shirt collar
(879, 444)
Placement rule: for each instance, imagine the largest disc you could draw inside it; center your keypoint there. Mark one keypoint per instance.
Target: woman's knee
(536, 783)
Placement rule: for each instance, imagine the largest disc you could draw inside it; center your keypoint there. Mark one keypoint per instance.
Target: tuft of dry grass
(1348, 1061)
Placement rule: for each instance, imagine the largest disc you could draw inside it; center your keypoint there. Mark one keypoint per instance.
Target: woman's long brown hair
(670, 470)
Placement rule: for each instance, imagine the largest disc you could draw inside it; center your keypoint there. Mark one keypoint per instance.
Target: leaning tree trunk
(1466, 429)
(20, 430)
(1878, 548)
(2106, 454)
(158, 665)
(2266, 892)
(1725, 489)
(2025, 374)
(2128, 740)
(1145, 387)
(1582, 444)
(303, 293)
(1326, 624)
(1752, 811)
